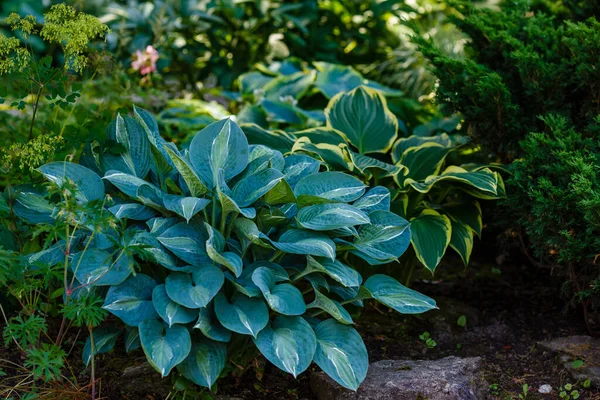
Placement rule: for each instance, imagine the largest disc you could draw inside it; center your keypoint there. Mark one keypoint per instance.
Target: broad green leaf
(431, 233)
(376, 199)
(133, 211)
(205, 362)
(135, 160)
(132, 300)
(165, 347)
(322, 134)
(220, 146)
(132, 339)
(95, 267)
(384, 240)
(390, 292)
(209, 325)
(325, 217)
(282, 298)
(331, 307)
(333, 79)
(363, 117)
(247, 191)
(30, 204)
(105, 339)
(275, 140)
(251, 81)
(404, 144)
(369, 166)
(170, 311)
(187, 242)
(297, 241)
(331, 186)
(482, 184)
(190, 177)
(293, 86)
(281, 112)
(88, 184)
(131, 186)
(243, 314)
(336, 270)
(423, 161)
(462, 240)
(186, 207)
(468, 214)
(197, 289)
(289, 343)
(281, 193)
(330, 154)
(341, 353)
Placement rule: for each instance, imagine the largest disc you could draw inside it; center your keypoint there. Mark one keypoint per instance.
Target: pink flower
(145, 61)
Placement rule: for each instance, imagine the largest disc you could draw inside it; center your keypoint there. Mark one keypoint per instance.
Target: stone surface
(573, 348)
(451, 378)
(545, 389)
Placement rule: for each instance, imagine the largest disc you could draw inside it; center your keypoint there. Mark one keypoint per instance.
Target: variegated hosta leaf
(363, 117)
(210, 327)
(326, 217)
(186, 207)
(170, 311)
(422, 162)
(390, 292)
(289, 343)
(197, 289)
(297, 241)
(190, 177)
(220, 146)
(376, 199)
(461, 240)
(188, 242)
(247, 191)
(341, 353)
(330, 154)
(331, 307)
(135, 160)
(298, 166)
(97, 267)
(336, 270)
(282, 298)
(105, 339)
(483, 184)
(404, 144)
(215, 246)
(330, 186)
(165, 347)
(88, 184)
(431, 234)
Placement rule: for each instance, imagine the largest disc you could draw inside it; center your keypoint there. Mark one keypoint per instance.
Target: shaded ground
(507, 311)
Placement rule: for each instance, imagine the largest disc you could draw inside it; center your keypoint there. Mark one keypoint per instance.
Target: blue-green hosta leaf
(322, 134)
(334, 78)
(49, 257)
(468, 214)
(132, 339)
(220, 146)
(197, 289)
(132, 300)
(293, 86)
(377, 198)
(136, 158)
(251, 81)
(97, 267)
(278, 140)
(331, 307)
(461, 240)
(252, 114)
(325, 217)
(282, 298)
(156, 251)
(297, 241)
(261, 158)
(104, 341)
(404, 144)
(390, 292)
(250, 189)
(384, 240)
(165, 347)
(348, 293)
(341, 353)
(209, 325)
(190, 177)
(215, 246)
(423, 161)
(188, 242)
(431, 234)
(336, 270)
(248, 232)
(133, 211)
(363, 117)
(483, 184)
(289, 343)
(204, 363)
(168, 310)
(332, 186)
(132, 185)
(159, 225)
(282, 112)
(298, 166)
(331, 155)
(243, 314)
(89, 185)
(186, 207)
(30, 204)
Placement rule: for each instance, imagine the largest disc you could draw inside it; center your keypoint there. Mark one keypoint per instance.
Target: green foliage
(557, 197)
(26, 332)
(45, 362)
(522, 62)
(246, 243)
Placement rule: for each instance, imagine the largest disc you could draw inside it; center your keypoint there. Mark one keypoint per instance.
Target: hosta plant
(432, 179)
(235, 245)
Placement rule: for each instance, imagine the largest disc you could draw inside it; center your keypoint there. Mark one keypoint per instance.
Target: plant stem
(93, 375)
(35, 108)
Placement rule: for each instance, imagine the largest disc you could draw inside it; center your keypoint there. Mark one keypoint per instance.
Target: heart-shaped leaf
(283, 298)
(297, 241)
(97, 267)
(186, 207)
(165, 347)
(390, 292)
(331, 186)
(204, 363)
(244, 315)
(325, 217)
(88, 184)
(210, 326)
(132, 300)
(170, 311)
(197, 289)
(187, 242)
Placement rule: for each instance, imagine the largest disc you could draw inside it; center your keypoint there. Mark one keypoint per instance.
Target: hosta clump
(237, 242)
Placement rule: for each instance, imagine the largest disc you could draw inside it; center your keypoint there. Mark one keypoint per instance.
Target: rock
(573, 348)
(138, 370)
(545, 389)
(451, 378)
